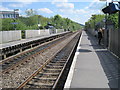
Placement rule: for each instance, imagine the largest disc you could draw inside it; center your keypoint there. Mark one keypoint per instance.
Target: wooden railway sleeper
(36, 73)
(41, 84)
(49, 73)
(50, 66)
(57, 61)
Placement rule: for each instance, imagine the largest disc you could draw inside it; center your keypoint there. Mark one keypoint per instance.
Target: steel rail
(55, 84)
(41, 68)
(27, 58)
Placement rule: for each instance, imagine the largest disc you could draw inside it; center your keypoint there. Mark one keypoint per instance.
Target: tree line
(31, 23)
(99, 20)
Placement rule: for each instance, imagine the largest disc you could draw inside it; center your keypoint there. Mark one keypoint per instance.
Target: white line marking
(70, 75)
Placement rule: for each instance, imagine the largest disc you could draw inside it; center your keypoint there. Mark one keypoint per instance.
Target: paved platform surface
(13, 43)
(93, 66)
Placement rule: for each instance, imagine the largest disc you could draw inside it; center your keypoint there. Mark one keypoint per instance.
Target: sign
(111, 9)
(14, 23)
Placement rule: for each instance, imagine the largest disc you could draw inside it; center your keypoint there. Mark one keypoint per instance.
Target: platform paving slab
(94, 66)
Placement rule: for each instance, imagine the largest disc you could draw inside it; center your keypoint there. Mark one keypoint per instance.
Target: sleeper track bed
(24, 57)
(50, 73)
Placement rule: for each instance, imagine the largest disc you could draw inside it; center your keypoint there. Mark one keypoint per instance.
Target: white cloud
(20, 1)
(4, 9)
(65, 5)
(67, 11)
(53, 1)
(45, 10)
(82, 15)
(58, 1)
(17, 5)
(80, 11)
(74, 11)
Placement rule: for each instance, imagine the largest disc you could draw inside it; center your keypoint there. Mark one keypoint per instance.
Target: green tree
(31, 22)
(7, 24)
(114, 19)
(94, 21)
(20, 25)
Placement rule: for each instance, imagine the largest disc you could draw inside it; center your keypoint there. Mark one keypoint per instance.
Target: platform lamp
(39, 22)
(105, 15)
(112, 9)
(15, 17)
(39, 26)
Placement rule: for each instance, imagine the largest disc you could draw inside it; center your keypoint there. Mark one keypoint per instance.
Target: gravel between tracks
(18, 75)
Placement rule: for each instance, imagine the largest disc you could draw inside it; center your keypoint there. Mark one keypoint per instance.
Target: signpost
(14, 23)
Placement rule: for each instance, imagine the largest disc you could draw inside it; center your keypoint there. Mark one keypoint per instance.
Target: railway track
(10, 63)
(9, 51)
(49, 74)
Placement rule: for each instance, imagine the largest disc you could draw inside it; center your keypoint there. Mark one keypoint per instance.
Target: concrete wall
(32, 33)
(8, 36)
(36, 33)
(44, 32)
(59, 30)
(52, 31)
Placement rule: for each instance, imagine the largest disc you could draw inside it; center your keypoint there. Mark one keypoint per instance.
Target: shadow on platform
(109, 63)
(84, 50)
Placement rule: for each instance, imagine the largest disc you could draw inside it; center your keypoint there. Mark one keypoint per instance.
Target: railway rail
(46, 59)
(16, 49)
(49, 74)
(23, 57)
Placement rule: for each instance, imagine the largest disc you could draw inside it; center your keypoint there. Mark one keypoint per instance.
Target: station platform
(13, 43)
(93, 66)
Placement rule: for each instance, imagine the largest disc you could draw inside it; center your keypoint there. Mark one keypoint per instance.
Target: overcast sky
(77, 10)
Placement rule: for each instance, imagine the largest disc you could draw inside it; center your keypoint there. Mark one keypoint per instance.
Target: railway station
(60, 45)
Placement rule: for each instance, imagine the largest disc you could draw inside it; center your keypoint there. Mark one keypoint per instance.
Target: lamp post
(39, 26)
(15, 16)
(94, 21)
(106, 32)
(104, 23)
(39, 22)
(105, 15)
(62, 27)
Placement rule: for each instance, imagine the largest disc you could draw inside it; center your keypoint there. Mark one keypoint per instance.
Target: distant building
(9, 14)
